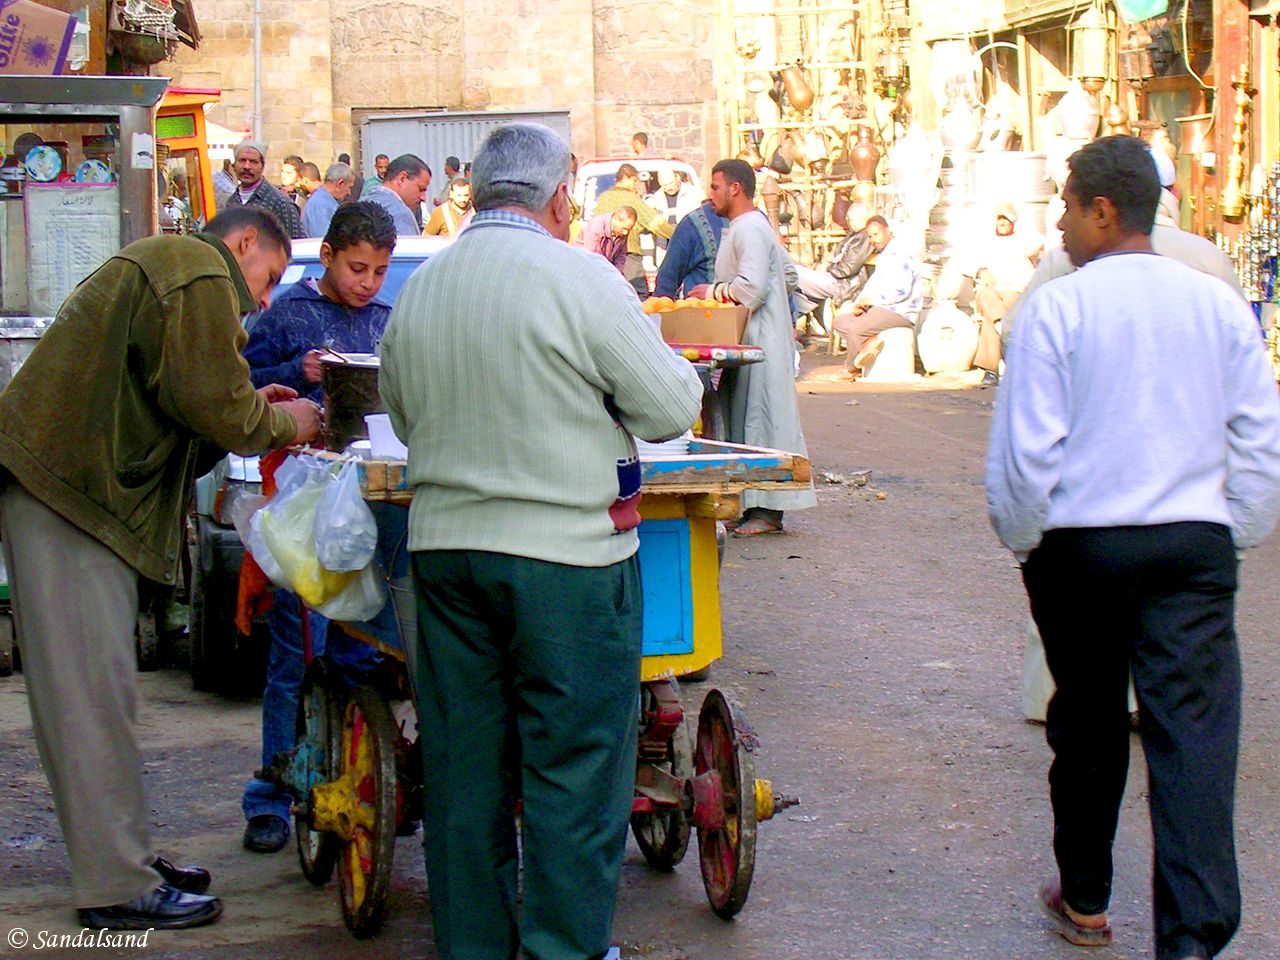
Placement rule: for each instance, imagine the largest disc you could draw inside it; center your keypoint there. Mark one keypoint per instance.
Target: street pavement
(876, 649)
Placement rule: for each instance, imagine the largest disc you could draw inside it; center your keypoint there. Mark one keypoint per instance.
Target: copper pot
(798, 90)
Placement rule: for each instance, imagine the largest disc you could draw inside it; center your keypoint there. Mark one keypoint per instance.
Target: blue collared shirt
(389, 200)
(320, 208)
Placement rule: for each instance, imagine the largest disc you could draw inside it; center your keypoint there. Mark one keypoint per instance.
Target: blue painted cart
(357, 766)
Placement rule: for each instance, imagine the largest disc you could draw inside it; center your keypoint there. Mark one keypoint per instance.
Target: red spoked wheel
(367, 760)
(726, 781)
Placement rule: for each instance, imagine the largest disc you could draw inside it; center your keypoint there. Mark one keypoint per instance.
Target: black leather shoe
(164, 908)
(186, 879)
(266, 833)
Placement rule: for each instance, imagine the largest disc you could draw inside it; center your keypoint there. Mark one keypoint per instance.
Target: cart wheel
(368, 755)
(664, 837)
(6, 644)
(320, 728)
(728, 852)
(148, 642)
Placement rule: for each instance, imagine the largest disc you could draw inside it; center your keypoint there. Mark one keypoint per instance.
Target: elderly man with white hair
(323, 203)
(252, 187)
(517, 369)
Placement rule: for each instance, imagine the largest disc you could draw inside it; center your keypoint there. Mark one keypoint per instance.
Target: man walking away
(518, 401)
(99, 436)
(401, 191)
(1120, 473)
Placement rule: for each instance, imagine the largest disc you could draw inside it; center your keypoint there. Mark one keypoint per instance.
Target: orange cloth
(255, 592)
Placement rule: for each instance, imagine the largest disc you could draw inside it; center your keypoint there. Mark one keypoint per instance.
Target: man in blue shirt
(323, 203)
(691, 253)
(401, 193)
(340, 312)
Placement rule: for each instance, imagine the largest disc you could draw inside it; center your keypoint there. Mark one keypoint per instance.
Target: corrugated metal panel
(434, 136)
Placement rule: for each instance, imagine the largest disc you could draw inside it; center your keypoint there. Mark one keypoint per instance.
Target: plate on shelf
(43, 163)
(93, 171)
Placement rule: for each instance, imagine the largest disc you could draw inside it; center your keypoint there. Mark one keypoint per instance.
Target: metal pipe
(257, 70)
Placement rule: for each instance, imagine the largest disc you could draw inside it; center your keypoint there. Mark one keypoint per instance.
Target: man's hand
(306, 413)
(311, 369)
(277, 393)
(701, 292)
(860, 307)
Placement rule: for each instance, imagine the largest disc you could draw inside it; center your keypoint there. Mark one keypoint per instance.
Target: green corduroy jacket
(103, 421)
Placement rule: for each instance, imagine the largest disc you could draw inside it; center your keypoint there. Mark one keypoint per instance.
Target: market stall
(78, 181)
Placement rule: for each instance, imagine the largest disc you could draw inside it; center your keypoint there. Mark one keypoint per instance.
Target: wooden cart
(357, 768)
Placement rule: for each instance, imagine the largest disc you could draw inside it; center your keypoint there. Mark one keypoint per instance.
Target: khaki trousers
(75, 606)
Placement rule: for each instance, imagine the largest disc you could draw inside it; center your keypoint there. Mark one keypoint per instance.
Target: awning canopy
(222, 140)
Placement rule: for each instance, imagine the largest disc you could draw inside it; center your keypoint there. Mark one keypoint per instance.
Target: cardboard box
(34, 39)
(704, 324)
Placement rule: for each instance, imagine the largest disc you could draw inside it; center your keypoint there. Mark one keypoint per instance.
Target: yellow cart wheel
(727, 835)
(319, 732)
(367, 764)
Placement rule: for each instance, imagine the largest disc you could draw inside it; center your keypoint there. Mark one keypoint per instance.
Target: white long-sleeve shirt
(1137, 392)
(895, 284)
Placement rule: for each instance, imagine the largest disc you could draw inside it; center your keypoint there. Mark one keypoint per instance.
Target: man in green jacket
(99, 433)
(625, 192)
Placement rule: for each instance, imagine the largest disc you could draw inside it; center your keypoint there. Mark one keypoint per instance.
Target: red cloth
(255, 591)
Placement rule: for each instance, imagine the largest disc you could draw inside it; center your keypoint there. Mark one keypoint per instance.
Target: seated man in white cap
(1003, 268)
(252, 187)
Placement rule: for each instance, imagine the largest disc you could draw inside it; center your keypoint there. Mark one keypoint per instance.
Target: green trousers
(528, 677)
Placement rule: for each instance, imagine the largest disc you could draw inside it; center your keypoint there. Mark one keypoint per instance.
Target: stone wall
(617, 65)
(654, 66)
(297, 77)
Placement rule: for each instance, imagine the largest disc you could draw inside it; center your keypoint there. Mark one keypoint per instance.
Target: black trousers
(1159, 599)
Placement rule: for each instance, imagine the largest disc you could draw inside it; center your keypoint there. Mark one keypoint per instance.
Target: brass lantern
(1090, 38)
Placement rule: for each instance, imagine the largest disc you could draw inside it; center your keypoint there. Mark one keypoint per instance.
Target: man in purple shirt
(606, 234)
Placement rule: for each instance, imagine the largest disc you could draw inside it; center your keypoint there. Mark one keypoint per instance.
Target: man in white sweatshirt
(1126, 479)
(518, 399)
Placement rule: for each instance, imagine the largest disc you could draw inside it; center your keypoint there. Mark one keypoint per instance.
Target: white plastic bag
(346, 533)
(361, 599)
(285, 527)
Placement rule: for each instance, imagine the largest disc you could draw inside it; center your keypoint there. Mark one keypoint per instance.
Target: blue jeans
(284, 680)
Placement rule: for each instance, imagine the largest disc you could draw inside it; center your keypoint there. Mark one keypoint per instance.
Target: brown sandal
(1071, 929)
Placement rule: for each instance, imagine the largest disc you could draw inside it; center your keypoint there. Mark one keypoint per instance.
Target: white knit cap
(252, 145)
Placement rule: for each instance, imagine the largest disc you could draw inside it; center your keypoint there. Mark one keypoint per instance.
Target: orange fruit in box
(650, 305)
(663, 304)
(711, 303)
